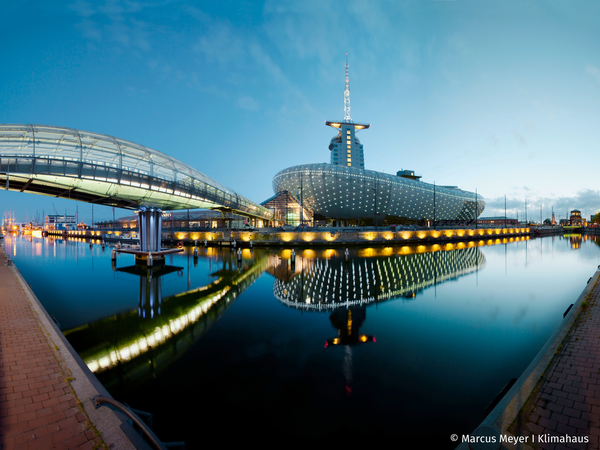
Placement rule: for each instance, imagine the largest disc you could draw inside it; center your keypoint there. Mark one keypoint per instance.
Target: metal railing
(142, 426)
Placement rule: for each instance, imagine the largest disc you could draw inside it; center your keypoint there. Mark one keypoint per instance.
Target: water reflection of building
(575, 240)
(344, 287)
(348, 323)
(323, 284)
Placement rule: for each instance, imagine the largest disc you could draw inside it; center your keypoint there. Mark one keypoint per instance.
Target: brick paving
(567, 401)
(38, 409)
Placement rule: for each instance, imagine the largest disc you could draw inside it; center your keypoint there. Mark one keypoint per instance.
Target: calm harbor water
(407, 342)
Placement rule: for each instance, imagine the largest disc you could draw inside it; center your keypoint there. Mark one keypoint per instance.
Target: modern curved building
(349, 193)
(344, 190)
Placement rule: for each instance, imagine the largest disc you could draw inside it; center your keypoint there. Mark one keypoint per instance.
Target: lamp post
(476, 201)
(434, 227)
(300, 196)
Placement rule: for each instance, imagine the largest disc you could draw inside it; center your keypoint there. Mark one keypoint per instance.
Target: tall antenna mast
(347, 117)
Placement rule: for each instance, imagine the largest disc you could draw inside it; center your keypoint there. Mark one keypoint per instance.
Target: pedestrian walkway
(555, 403)
(38, 409)
(567, 402)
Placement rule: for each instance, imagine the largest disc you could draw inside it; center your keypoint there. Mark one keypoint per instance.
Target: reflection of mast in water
(348, 368)
(348, 323)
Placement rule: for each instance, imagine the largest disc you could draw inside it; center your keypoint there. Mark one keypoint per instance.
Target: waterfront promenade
(38, 409)
(555, 404)
(44, 391)
(567, 401)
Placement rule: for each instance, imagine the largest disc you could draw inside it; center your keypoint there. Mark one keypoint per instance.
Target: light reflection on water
(409, 339)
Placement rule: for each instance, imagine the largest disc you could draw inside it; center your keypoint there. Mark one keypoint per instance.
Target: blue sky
(498, 96)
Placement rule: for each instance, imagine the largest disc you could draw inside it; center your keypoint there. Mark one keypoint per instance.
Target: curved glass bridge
(96, 168)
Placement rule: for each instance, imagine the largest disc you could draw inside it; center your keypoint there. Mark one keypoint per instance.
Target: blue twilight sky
(499, 96)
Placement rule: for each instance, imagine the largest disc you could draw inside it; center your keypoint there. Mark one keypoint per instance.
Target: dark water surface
(404, 342)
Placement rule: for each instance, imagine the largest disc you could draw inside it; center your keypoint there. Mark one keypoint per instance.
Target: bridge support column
(150, 224)
(150, 221)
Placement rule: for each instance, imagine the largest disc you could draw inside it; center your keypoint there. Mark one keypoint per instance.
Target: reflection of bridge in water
(326, 284)
(126, 342)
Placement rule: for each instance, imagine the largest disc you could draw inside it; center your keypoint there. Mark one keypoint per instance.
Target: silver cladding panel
(352, 193)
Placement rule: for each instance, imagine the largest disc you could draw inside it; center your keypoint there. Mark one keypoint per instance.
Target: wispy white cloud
(586, 200)
(593, 72)
(519, 138)
(248, 103)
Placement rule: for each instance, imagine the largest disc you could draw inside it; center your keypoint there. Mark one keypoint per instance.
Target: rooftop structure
(346, 149)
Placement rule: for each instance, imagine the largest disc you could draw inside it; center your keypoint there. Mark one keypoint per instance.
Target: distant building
(497, 221)
(196, 219)
(58, 222)
(576, 219)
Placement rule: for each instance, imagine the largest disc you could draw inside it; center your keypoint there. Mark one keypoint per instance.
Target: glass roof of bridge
(94, 148)
(190, 187)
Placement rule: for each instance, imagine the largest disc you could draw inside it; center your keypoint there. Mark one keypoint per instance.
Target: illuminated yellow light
(309, 254)
(421, 234)
(366, 252)
(124, 353)
(406, 234)
(93, 366)
(308, 237)
(329, 236)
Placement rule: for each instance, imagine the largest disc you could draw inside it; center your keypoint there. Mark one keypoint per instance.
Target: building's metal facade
(346, 193)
